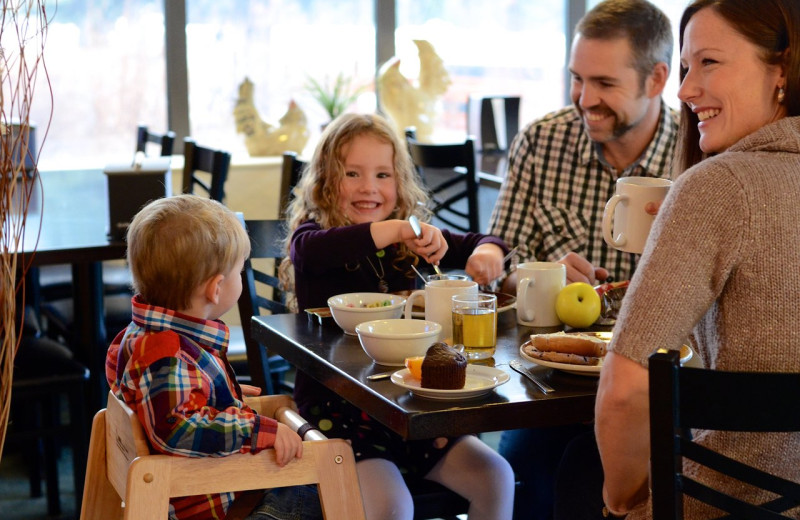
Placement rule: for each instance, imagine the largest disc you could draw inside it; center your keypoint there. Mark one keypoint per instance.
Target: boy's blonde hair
(177, 243)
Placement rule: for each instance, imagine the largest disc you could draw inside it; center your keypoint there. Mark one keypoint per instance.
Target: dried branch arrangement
(23, 25)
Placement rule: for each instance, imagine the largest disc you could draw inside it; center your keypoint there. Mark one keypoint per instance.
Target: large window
(497, 48)
(278, 46)
(105, 62)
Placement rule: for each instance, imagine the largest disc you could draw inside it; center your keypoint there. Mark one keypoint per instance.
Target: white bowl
(390, 342)
(351, 309)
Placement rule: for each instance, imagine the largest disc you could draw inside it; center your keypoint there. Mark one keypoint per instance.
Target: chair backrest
(291, 170)
(261, 294)
(448, 171)
(494, 121)
(166, 141)
(214, 163)
(683, 398)
(121, 468)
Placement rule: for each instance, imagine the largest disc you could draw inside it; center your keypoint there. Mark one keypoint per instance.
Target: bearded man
(563, 167)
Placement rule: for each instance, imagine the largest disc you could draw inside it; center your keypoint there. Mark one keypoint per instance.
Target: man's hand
(581, 270)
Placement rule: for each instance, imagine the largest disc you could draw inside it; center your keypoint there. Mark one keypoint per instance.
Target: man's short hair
(177, 243)
(646, 27)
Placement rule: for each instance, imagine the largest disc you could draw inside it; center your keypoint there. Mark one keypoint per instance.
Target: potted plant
(22, 37)
(336, 96)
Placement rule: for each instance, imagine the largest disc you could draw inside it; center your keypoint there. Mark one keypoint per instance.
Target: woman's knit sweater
(723, 263)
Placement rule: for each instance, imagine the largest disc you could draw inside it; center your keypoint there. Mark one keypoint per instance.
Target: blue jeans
(534, 455)
(289, 503)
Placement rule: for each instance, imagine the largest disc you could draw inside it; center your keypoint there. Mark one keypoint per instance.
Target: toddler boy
(186, 255)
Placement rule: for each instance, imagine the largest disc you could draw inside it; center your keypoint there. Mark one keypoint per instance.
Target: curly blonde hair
(316, 195)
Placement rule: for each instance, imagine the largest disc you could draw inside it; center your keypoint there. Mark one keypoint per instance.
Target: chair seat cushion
(43, 359)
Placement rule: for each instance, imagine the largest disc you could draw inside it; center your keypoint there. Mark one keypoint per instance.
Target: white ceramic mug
(538, 285)
(438, 296)
(631, 223)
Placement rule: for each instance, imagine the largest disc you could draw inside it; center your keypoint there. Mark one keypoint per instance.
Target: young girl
(350, 232)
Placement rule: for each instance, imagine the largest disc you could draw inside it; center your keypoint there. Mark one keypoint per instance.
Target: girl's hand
(485, 264)
(431, 245)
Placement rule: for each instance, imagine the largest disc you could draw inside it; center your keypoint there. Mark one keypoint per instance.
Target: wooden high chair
(124, 479)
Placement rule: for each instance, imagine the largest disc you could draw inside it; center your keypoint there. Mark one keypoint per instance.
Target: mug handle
(524, 313)
(608, 212)
(410, 302)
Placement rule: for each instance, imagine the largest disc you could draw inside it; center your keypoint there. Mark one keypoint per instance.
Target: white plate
(587, 370)
(581, 370)
(480, 380)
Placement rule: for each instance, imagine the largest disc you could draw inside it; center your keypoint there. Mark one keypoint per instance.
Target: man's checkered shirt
(557, 186)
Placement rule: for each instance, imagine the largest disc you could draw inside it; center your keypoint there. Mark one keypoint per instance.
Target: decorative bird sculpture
(407, 104)
(262, 138)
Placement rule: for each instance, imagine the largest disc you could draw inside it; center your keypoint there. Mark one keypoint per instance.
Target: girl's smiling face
(726, 83)
(368, 191)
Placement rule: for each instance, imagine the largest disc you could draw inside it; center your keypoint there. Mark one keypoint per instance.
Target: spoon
(378, 377)
(510, 254)
(419, 274)
(417, 229)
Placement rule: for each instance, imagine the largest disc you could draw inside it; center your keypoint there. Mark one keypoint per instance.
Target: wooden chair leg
(100, 500)
(336, 467)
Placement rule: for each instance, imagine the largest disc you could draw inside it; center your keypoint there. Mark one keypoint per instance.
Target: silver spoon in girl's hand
(414, 221)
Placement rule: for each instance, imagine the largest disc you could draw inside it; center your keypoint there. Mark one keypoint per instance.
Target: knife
(517, 366)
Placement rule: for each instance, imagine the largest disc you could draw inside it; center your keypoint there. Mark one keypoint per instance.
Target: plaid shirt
(557, 186)
(171, 369)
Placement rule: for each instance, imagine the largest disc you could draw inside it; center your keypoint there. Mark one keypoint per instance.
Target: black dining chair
(291, 170)
(205, 168)
(261, 293)
(165, 141)
(494, 121)
(448, 172)
(682, 399)
(47, 412)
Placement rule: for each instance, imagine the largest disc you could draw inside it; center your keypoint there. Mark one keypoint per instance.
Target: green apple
(578, 305)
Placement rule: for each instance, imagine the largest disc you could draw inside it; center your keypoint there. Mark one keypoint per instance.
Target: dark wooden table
(72, 208)
(336, 360)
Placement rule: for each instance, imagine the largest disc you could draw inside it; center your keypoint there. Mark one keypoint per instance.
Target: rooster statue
(262, 138)
(409, 105)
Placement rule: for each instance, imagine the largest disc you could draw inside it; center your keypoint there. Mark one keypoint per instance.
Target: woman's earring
(781, 95)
